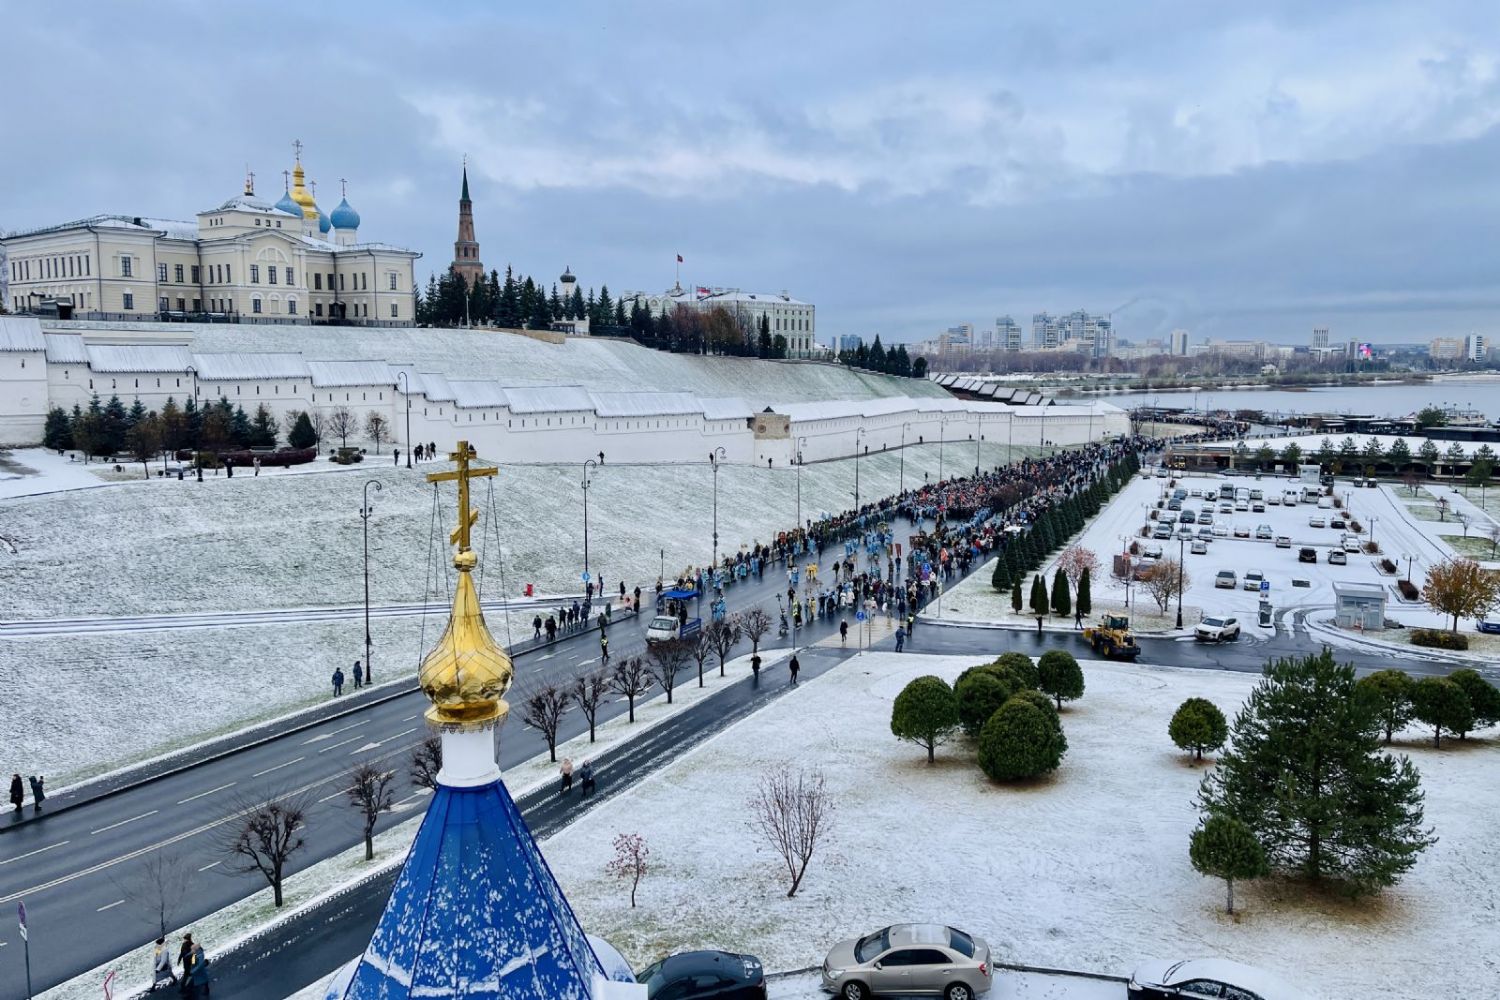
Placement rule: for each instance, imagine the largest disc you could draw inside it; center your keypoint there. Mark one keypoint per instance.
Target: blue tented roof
(475, 913)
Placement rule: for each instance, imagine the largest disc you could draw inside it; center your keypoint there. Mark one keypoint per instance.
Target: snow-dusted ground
(27, 471)
(1086, 870)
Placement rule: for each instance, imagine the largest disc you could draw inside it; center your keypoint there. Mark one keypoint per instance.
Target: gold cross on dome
(466, 515)
(297, 148)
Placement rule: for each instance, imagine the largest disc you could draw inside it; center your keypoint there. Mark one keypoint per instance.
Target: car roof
(908, 934)
(694, 962)
(1224, 970)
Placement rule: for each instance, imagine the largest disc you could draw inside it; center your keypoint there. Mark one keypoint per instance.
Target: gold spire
(466, 674)
(300, 194)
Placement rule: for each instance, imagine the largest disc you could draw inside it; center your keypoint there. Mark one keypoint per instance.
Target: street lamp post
(978, 437)
(407, 396)
(590, 464)
(1409, 558)
(714, 457)
(800, 442)
(902, 488)
(1181, 546)
(364, 514)
(858, 438)
(942, 433)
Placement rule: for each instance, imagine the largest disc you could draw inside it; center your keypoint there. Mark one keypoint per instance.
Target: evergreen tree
(1038, 600)
(1484, 698)
(578, 310)
(555, 304)
(1059, 675)
(136, 415)
(1085, 600)
(173, 426)
(426, 304)
(1015, 595)
(605, 307)
(541, 313)
(1223, 847)
(925, 713)
(900, 361)
(619, 317)
(1198, 725)
(999, 579)
(764, 339)
(57, 434)
(302, 435)
(877, 355)
(1389, 693)
(87, 429)
(1442, 704)
(1062, 601)
(526, 301)
(192, 423)
(115, 422)
(591, 309)
(240, 432)
(262, 428)
(778, 346)
(508, 309)
(919, 368)
(1306, 773)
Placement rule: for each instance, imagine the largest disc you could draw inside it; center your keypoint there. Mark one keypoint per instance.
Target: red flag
(679, 258)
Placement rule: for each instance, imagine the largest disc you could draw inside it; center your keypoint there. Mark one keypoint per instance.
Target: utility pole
(364, 514)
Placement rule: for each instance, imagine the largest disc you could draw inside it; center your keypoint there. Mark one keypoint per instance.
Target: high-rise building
(1476, 347)
(1446, 348)
(1046, 334)
(1320, 338)
(850, 342)
(1007, 334)
(1179, 342)
(466, 263)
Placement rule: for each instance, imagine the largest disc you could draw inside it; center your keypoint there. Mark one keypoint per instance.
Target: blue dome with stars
(345, 217)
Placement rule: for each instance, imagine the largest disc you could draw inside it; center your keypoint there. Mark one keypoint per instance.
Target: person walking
(604, 648)
(396, 454)
(586, 778)
(755, 667)
(843, 631)
(359, 675)
(37, 794)
(17, 792)
(185, 955)
(257, 466)
(566, 770)
(900, 638)
(338, 681)
(795, 667)
(536, 627)
(195, 975)
(161, 966)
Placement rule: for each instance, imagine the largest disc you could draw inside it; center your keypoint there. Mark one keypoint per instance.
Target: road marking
(123, 822)
(110, 906)
(278, 767)
(335, 746)
(332, 733)
(208, 866)
(337, 794)
(39, 850)
(410, 717)
(201, 794)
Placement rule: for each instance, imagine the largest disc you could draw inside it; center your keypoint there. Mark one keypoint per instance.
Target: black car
(1307, 555)
(1197, 979)
(695, 974)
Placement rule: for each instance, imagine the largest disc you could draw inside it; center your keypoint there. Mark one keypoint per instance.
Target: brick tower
(466, 261)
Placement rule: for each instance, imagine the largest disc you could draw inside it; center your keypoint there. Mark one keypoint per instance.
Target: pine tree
(1016, 603)
(302, 434)
(57, 434)
(1223, 847)
(999, 579)
(1085, 600)
(508, 309)
(578, 311)
(541, 313)
(1062, 601)
(240, 433)
(1038, 600)
(114, 423)
(605, 306)
(526, 301)
(192, 423)
(263, 428)
(1306, 773)
(555, 304)
(877, 355)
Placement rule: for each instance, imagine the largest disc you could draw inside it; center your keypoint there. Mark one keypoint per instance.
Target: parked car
(1195, 493)
(1226, 580)
(1488, 626)
(1143, 566)
(1206, 517)
(1283, 541)
(1162, 531)
(1169, 517)
(1289, 497)
(1205, 532)
(717, 974)
(1174, 505)
(1257, 507)
(1263, 532)
(1199, 547)
(1274, 500)
(1207, 977)
(1217, 629)
(1252, 579)
(1242, 531)
(1351, 543)
(1325, 503)
(1151, 551)
(1336, 557)
(1227, 507)
(1316, 521)
(1337, 523)
(1243, 506)
(909, 958)
(1221, 531)
(1257, 495)
(1307, 554)
(1187, 517)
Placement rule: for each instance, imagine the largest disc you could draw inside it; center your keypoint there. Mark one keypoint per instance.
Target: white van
(1289, 498)
(1310, 494)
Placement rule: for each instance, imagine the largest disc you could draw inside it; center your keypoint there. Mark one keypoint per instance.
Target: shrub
(1021, 667)
(1198, 725)
(1442, 704)
(1387, 567)
(1408, 590)
(1371, 548)
(1059, 675)
(270, 459)
(1438, 639)
(1484, 698)
(1042, 702)
(1389, 692)
(980, 693)
(925, 713)
(1223, 847)
(1019, 742)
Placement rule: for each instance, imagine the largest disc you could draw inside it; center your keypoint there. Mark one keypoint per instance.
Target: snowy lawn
(1086, 870)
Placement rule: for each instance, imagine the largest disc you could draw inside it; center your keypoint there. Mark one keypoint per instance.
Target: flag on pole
(679, 259)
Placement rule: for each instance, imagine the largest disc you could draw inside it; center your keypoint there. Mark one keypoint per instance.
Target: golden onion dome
(301, 195)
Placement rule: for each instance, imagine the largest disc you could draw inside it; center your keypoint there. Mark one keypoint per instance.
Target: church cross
(343, 187)
(297, 148)
(286, 179)
(466, 515)
(249, 180)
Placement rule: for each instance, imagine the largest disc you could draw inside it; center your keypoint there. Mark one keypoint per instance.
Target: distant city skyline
(1238, 174)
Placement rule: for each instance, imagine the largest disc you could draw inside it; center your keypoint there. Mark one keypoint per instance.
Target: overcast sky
(1245, 170)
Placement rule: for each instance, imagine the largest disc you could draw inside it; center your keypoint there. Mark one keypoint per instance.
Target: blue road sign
(1265, 586)
(584, 577)
(859, 616)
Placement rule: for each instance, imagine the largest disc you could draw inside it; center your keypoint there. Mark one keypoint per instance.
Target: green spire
(465, 195)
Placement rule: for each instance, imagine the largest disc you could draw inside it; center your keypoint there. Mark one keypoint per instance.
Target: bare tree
(289, 421)
(755, 623)
(426, 762)
(1163, 580)
(668, 659)
(371, 794)
(144, 440)
(793, 812)
(722, 636)
(631, 679)
(1075, 560)
(319, 421)
(341, 423)
(158, 886)
(588, 693)
(267, 836)
(377, 429)
(631, 861)
(543, 711)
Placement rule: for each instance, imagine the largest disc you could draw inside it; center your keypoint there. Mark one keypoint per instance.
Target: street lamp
(1373, 519)
(800, 442)
(942, 429)
(714, 457)
(858, 437)
(364, 514)
(403, 375)
(1181, 546)
(903, 459)
(589, 464)
(1409, 558)
(978, 437)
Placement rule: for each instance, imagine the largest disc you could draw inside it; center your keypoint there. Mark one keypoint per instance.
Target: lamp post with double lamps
(942, 433)
(858, 438)
(714, 458)
(978, 437)
(407, 396)
(589, 465)
(902, 488)
(364, 515)
(801, 442)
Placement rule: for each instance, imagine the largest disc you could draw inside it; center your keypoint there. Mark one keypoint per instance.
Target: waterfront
(1393, 399)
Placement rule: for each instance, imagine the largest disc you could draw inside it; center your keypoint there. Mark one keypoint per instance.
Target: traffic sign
(21, 919)
(1265, 586)
(859, 616)
(584, 576)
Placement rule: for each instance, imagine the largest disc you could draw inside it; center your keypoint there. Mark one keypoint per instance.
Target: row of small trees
(1349, 455)
(876, 357)
(1009, 710)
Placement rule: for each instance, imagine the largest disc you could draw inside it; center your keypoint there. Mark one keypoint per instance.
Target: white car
(1317, 522)
(1283, 541)
(1242, 531)
(1351, 543)
(1199, 547)
(1326, 503)
(1263, 532)
(1252, 579)
(1226, 580)
(1274, 500)
(1208, 977)
(1217, 629)
(1243, 506)
(1221, 531)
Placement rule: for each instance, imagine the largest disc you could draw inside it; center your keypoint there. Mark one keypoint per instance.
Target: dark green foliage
(302, 435)
(1000, 578)
(1015, 595)
(1438, 638)
(262, 428)
(980, 692)
(1223, 847)
(1062, 600)
(1442, 704)
(1019, 742)
(1042, 702)
(240, 433)
(1038, 597)
(1484, 698)
(1085, 599)
(114, 424)
(1059, 675)
(1198, 725)
(1305, 771)
(1389, 693)
(1020, 667)
(57, 434)
(925, 713)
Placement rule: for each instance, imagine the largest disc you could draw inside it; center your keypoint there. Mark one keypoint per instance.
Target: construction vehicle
(1111, 638)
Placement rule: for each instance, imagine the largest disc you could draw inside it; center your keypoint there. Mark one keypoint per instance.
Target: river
(1480, 393)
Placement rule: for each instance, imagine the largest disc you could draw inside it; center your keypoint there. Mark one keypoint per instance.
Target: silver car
(909, 959)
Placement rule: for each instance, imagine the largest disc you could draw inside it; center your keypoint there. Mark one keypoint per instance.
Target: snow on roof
(218, 367)
(644, 404)
(21, 333)
(548, 398)
(1239, 974)
(475, 393)
(432, 385)
(123, 358)
(66, 349)
(759, 298)
(1352, 588)
(726, 408)
(327, 374)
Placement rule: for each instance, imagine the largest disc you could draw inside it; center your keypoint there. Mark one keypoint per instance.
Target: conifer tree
(302, 434)
(541, 313)
(605, 307)
(57, 434)
(508, 309)
(1015, 595)
(1038, 600)
(999, 579)
(578, 311)
(115, 422)
(1223, 847)
(192, 423)
(240, 433)
(1062, 601)
(555, 303)
(263, 428)
(1085, 599)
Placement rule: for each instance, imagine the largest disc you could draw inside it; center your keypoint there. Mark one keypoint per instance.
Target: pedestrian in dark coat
(338, 681)
(37, 794)
(17, 791)
(359, 676)
(536, 627)
(586, 778)
(755, 666)
(794, 666)
(843, 632)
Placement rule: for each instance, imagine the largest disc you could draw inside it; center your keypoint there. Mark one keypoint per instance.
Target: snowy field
(296, 541)
(1087, 870)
